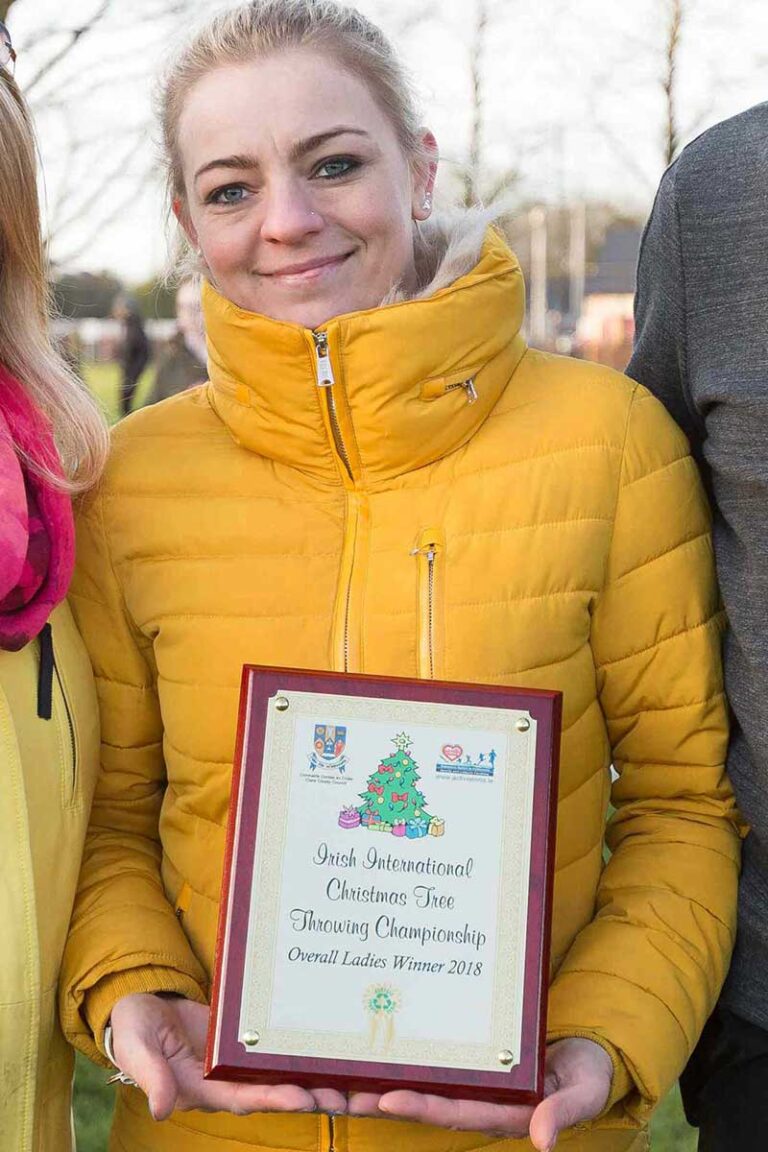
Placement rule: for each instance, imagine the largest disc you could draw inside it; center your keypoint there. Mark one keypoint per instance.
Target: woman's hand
(160, 1043)
(576, 1088)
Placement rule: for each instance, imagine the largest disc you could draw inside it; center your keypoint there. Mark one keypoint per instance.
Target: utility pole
(577, 259)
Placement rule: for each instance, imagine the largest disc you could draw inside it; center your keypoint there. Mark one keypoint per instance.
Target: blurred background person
(135, 350)
(184, 363)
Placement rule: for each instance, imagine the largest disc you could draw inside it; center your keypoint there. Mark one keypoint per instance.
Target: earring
(427, 205)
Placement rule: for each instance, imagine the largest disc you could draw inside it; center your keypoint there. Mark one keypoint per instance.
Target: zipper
(435, 388)
(47, 671)
(341, 644)
(70, 725)
(468, 386)
(331, 1134)
(427, 552)
(326, 380)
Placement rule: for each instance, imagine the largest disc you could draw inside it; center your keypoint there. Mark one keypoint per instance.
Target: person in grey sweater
(702, 347)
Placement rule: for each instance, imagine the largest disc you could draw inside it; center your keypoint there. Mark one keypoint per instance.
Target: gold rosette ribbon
(381, 1003)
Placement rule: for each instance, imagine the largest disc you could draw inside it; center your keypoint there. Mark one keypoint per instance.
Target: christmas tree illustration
(392, 797)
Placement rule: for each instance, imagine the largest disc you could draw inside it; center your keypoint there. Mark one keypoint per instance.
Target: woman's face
(296, 188)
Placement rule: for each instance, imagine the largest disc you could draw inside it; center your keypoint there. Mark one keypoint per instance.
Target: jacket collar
(398, 402)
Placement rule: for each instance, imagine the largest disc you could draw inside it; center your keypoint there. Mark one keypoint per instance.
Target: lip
(307, 270)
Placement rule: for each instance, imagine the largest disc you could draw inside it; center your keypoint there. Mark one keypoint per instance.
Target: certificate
(388, 883)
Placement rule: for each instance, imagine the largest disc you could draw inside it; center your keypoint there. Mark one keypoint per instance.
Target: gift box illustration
(349, 817)
(416, 828)
(398, 828)
(436, 826)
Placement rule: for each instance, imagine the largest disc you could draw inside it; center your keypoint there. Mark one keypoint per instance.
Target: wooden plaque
(387, 892)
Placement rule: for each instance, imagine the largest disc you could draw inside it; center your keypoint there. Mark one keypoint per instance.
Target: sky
(572, 101)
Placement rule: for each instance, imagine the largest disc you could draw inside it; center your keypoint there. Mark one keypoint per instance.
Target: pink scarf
(37, 539)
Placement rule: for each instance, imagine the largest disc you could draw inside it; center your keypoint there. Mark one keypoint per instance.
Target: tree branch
(74, 36)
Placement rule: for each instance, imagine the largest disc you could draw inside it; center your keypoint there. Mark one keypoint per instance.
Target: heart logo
(452, 751)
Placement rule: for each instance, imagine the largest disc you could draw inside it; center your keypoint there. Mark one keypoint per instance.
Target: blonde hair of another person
(266, 27)
(26, 349)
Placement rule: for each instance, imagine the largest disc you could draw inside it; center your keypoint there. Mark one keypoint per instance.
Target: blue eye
(231, 194)
(337, 167)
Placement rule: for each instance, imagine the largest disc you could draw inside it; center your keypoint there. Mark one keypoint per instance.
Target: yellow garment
(48, 776)
(254, 521)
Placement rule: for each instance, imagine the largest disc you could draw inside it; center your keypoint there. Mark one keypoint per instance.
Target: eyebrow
(242, 161)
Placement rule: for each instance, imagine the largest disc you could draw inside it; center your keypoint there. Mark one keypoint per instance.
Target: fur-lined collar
(446, 247)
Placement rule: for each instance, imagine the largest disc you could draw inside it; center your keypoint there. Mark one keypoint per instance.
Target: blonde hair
(25, 342)
(264, 27)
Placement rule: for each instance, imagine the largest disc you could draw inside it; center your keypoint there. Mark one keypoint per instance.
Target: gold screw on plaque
(282, 704)
(522, 724)
(506, 1057)
(251, 1039)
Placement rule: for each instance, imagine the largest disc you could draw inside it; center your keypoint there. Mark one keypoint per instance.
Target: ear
(424, 175)
(180, 212)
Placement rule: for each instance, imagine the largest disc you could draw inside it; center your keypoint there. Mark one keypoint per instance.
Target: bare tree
(479, 185)
(476, 60)
(96, 172)
(71, 39)
(674, 16)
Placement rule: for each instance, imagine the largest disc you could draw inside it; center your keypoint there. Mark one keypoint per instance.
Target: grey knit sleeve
(659, 357)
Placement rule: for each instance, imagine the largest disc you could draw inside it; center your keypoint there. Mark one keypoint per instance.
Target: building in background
(605, 328)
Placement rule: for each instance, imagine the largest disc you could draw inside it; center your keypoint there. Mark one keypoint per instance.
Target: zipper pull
(45, 674)
(324, 370)
(428, 550)
(471, 391)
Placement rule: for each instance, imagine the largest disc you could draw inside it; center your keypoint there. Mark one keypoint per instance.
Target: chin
(312, 314)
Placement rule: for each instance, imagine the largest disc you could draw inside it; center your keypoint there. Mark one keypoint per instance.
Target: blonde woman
(381, 477)
(52, 444)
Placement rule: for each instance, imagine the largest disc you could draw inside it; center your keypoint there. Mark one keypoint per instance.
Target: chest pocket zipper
(430, 556)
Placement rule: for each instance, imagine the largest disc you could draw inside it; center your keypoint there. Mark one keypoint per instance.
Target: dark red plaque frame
(524, 1082)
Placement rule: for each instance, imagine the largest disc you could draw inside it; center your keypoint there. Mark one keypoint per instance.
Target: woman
(381, 477)
(52, 443)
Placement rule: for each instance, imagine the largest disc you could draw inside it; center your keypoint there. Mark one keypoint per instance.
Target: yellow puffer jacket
(265, 519)
(48, 774)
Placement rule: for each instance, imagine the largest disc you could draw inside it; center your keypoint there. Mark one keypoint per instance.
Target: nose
(289, 214)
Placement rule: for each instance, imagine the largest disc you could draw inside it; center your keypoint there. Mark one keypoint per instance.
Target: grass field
(93, 1098)
(104, 382)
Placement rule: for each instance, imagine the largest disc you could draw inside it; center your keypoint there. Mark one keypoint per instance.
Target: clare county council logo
(329, 748)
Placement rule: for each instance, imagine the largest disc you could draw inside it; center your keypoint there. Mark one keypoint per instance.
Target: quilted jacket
(264, 519)
(48, 774)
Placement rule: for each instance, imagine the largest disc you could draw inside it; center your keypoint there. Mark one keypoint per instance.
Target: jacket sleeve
(643, 976)
(124, 936)
(659, 358)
